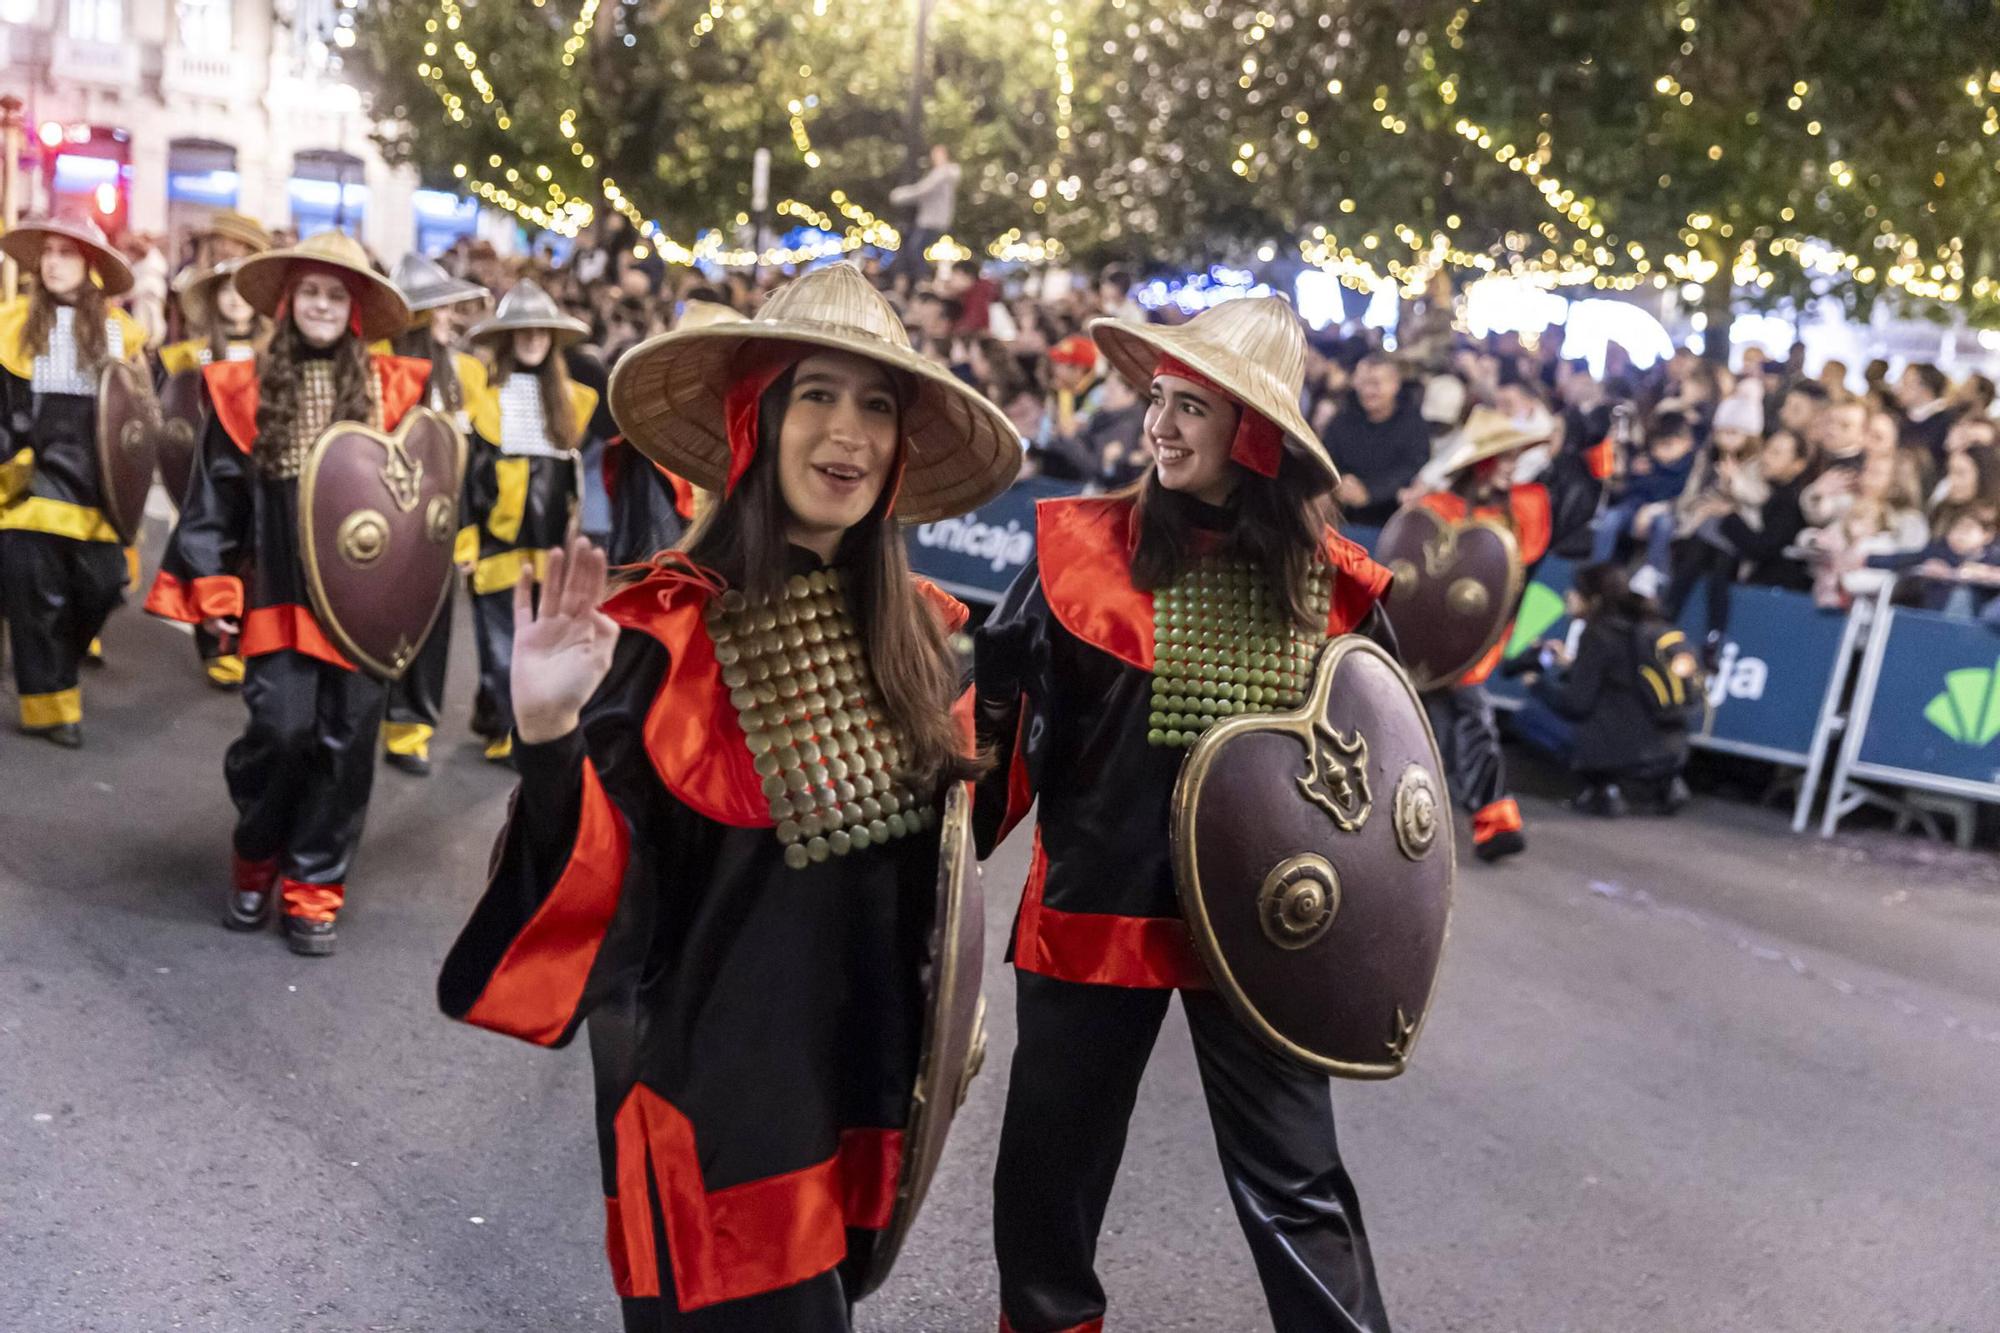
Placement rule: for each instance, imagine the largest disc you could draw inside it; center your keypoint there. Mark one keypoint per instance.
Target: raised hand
(563, 652)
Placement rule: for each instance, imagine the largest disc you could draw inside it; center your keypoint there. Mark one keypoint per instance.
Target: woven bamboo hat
(524, 308)
(24, 245)
(667, 394)
(226, 224)
(1254, 348)
(426, 286)
(703, 314)
(1489, 433)
(263, 280)
(196, 288)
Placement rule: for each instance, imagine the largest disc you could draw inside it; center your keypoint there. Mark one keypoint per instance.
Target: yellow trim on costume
(183, 355)
(483, 409)
(511, 505)
(131, 566)
(465, 547)
(407, 738)
(471, 373)
(502, 748)
(15, 359)
(58, 518)
(498, 573)
(582, 403)
(39, 712)
(133, 333)
(15, 475)
(95, 652)
(226, 669)
(381, 347)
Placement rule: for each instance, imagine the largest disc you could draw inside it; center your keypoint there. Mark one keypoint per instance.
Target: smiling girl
(724, 849)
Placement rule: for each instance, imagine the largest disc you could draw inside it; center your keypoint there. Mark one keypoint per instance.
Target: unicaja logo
(1737, 677)
(1968, 710)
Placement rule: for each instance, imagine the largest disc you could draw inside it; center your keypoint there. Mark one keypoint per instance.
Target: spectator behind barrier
(1751, 547)
(1378, 439)
(1630, 691)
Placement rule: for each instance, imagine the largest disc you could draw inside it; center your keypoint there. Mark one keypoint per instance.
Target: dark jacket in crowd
(1763, 548)
(1384, 456)
(1928, 434)
(1616, 734)
(1116, 430)
(1938, 594)
(1662, 482)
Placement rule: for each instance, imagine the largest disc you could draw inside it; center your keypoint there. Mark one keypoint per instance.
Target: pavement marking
(1794, 963)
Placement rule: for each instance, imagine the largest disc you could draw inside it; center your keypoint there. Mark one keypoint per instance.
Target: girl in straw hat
(1070, 700)
(300, 774)
(224, 328)
(1541, 514)
(438, 303)
(62, 568)
(724, 850)
(522, 481)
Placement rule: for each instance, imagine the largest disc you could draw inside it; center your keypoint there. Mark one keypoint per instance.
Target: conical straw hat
(1253, 347)
(229, 225)
(1489, 433)
(263, 279)
(667, 394)
(524, 308)
(24, 245)
(425, 285)
(196, 288)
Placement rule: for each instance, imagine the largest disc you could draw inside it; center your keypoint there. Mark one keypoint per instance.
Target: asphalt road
(1681, 1075)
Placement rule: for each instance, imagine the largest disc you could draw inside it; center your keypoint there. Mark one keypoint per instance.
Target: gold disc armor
(1222, 645)
(798, 676)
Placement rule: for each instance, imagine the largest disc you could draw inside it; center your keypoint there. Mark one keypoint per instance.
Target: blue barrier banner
(977, 555)
(1937, 700)
(1773, 670)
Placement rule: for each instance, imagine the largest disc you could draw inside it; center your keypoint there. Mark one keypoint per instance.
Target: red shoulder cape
(1528, 515)
(693, 734)
(232, 389)
(1084, 549)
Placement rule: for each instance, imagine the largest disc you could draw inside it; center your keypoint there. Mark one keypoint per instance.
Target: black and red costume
(1063, 680)
(650, 506)
(1542, 515)
(301, 772)
(754, 1028)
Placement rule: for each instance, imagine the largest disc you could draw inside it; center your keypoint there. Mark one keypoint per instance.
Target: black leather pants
(1082, 1050)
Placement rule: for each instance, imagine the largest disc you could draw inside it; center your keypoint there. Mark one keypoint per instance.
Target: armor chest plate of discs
(798, 677)
(1222, 645)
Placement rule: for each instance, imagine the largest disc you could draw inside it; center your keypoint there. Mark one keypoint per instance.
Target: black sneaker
(309, 939)
(1674, 797)
(1605, 801)
(69, 735)
(248, 909)
(1510, 843)
(416, 765)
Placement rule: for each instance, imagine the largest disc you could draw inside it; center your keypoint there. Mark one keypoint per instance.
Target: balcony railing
(107, 64)
(215, 75)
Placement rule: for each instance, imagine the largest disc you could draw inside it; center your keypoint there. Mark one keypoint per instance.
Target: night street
(1681, 1075)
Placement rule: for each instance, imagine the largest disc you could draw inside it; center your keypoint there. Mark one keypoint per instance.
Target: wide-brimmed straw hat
(24, 245)
(526, 307)
(263, 280)
(426, 286)
(1489, 433)
(704, 314)
(1253, 348)
(226, 224)
(196, 288)
(667, 394)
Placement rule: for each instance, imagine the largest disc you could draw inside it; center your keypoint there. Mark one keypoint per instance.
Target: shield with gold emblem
(377, 515)
(183, 409)
(1454, 590)
(128, 435)
(1313, 854)
(954, 1031)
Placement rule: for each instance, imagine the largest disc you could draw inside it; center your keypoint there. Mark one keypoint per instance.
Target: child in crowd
(1644, 509)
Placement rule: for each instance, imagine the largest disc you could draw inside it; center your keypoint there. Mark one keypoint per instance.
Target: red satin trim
(252, 876)
(1102, 948)
(1533, 519)
(1258, 444)
(1020, 789)
(193, 602)
(1358, 583)
(683, 490)
(739, 405)
(287, 626)
(1602, 459)
(1084, 550)
(952, 614)
(746, 1239)
(619, 1250)
(1503, 816)
(534, 992)
(1087, 1326)
(232, 390)
(313, 902)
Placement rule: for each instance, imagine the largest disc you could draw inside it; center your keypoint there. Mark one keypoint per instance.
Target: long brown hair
(217, 334)
(280, 370)
(558, 416)
(92, 346)
(742, 538)
(1278, 524)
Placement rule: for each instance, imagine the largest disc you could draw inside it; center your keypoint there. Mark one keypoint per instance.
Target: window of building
(204, 26)
(97, 20)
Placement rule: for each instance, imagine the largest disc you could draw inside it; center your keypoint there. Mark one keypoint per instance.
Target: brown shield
(1313, 853)
(184, 410)
(377, 515)
(1454, 592)
(128, 432)
(954, 1030)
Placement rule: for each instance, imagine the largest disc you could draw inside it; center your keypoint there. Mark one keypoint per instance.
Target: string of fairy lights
(1571, 246)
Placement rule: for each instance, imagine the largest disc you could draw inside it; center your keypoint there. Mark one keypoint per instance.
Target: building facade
(155, 113)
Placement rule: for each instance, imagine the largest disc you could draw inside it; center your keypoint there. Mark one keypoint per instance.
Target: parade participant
(724, 848)
(438, 302)
(1232, 527)
(62, 566)
(1541, 514)
(229, 235)
(651, 507)
(301, 772)
(521, 482)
